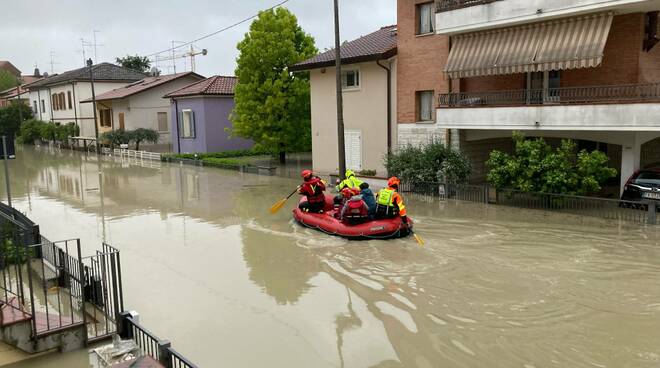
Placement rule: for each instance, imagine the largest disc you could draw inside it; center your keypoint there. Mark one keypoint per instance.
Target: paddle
(277, 206)
(418, 238)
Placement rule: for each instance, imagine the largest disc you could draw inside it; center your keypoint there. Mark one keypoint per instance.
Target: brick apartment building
(472, 71)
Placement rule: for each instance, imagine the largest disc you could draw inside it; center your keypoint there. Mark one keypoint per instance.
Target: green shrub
(115, 138)
(30, 131)
(48, 132)
(224, 154)
(140, 135)
(223, 162)
(367, 173)
(433, 162)
(536, 167)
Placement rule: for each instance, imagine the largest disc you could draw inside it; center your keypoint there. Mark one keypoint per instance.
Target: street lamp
(96, 127)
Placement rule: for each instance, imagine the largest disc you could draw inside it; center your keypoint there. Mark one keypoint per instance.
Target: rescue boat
(326, 222)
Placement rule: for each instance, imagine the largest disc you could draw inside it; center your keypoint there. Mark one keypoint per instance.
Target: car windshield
(648, 178)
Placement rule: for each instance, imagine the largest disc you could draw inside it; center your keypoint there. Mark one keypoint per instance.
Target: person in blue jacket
(368, 198)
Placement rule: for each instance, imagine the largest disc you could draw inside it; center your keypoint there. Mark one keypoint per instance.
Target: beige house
(141, 105)
(369, 87)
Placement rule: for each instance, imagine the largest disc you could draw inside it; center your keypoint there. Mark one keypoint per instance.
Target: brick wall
(421, 61)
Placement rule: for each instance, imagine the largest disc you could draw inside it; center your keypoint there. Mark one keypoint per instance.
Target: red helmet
(347, 193)
(306, 174)
(393, 181)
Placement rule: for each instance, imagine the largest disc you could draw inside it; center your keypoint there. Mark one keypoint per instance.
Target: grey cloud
(147, 26)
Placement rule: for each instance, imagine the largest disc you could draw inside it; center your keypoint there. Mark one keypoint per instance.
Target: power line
(218, 31)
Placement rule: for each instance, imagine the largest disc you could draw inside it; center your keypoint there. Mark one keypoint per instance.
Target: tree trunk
(137, 145)
(282, 157)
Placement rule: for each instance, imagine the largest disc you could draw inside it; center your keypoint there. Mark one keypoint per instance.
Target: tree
(140, 135)
(272, 105)
(430, 163)
(115, 138)
(7, 80)
(138, 63)
(10, 121)
(30, 131)
(536, 167)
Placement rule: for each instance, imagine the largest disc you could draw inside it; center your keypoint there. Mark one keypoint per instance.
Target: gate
(103, 292)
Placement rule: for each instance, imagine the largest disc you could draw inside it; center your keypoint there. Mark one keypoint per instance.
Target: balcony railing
(571, 95)
(447, 5)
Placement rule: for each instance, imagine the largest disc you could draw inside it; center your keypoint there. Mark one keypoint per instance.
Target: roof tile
(374, 46)
(142, 85)
(102, 71)
(216, 85)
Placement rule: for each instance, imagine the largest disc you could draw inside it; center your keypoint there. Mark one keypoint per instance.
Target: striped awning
(568, 43)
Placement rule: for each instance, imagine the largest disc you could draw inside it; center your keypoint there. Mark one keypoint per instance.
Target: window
(35, 107)
(424, 105)
(62, 102)
(425, 18)
(350, 79)
(53, 101)
(162, 122)
(43, 105)
(68, 95)
(543, 86)
(105, 116)
(187, 129)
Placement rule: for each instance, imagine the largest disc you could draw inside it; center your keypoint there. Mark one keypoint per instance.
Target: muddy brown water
(210, 269)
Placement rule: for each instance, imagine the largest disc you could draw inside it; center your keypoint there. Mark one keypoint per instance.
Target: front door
(353, 149)
(121, 121)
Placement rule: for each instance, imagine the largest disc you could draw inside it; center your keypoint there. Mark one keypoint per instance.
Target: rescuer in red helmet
(389, 202)
(313, 188)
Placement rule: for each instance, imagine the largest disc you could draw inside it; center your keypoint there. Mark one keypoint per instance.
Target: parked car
(642, 186)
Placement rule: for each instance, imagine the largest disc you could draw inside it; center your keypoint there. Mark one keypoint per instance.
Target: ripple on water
(399, 314)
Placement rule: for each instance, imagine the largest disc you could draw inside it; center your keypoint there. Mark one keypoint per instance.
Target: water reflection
(230, 284)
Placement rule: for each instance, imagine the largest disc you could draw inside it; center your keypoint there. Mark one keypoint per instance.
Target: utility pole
(340, 100)
(96, 126)
(82, 43)
(6, 159)
(173, 59)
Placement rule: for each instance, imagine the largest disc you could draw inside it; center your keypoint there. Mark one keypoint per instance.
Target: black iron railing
(605, 208)
(569, 95)
(151, 345)
(447, 5)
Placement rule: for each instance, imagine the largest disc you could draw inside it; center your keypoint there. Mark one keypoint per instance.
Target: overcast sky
(143, 27)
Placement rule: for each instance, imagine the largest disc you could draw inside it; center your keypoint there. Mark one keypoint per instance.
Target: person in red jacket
(313, 188)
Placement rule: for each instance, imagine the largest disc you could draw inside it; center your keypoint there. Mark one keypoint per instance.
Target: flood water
(209, 268)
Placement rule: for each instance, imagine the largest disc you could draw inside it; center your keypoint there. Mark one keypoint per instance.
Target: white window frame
(192, 128)
(419, 101)
(347, 148)
(344, 79)
(431, 29)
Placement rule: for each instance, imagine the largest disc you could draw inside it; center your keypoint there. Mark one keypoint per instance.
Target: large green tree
(272, 105)
(10, 117)
(136, 62)
(7, 80)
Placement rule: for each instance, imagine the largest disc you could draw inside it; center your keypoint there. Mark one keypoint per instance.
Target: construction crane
(192, 53)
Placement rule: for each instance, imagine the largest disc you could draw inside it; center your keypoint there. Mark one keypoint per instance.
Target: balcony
(447, 5)
(634, 107)
(465, 16)
(629, 93)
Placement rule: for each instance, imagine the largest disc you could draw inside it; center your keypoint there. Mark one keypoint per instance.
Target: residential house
(582, 69)
(368, 86)
(58, 98)
(20, 92)
(141, 105)
(9, 67)
(201, 113)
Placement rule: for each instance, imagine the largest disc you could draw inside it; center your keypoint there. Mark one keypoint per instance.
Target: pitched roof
(374, 46)
(12, 92)
(141, 86)
(6, 65)
(102, 72)
(217, 85)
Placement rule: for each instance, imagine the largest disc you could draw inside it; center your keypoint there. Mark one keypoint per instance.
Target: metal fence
(142, 155)
(614, 209)
(150, 344)
(564, 95)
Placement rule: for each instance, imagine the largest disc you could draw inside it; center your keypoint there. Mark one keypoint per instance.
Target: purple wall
(211, 119)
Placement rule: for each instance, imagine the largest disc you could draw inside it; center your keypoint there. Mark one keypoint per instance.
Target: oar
(277, 206)
(418, 238)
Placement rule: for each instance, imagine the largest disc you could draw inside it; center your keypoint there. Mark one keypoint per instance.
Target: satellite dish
(155, 72)
(204, 52)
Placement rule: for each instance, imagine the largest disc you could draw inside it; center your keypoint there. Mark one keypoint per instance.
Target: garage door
(353, 146)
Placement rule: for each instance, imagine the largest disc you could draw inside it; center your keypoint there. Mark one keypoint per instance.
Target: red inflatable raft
(326, 222)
